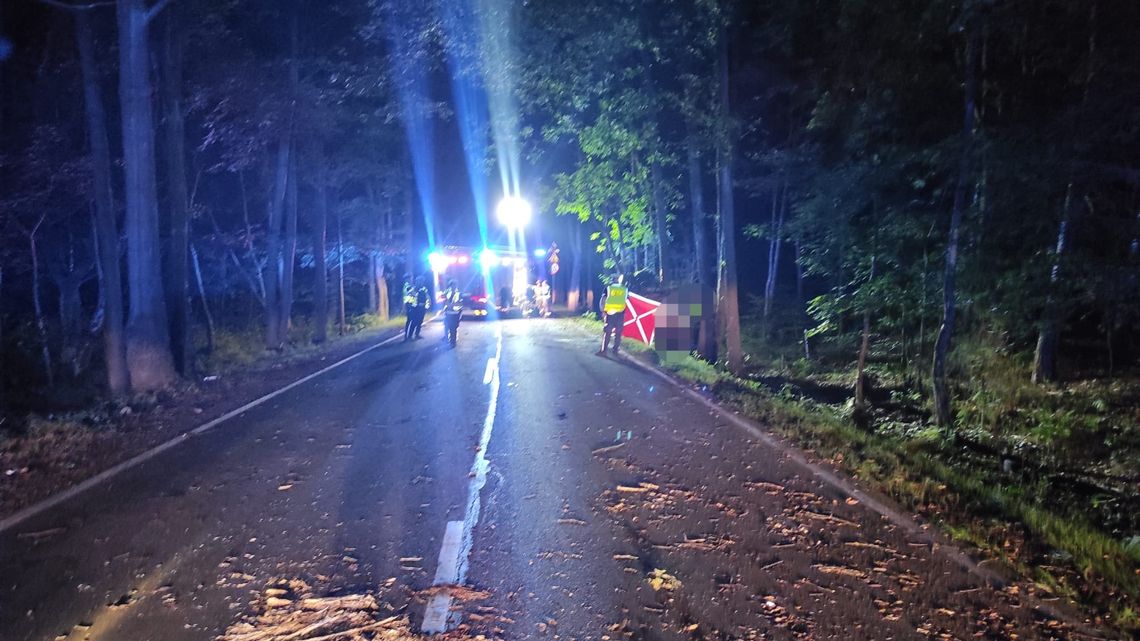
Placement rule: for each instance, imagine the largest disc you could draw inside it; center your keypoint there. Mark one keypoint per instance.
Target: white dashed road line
(455, 552)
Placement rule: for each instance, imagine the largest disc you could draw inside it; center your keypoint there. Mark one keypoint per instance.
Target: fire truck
(491, 278)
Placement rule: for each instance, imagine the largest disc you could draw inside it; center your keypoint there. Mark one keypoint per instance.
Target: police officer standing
(613, 312)
(421, 303)
(452, 312)
(410, 307)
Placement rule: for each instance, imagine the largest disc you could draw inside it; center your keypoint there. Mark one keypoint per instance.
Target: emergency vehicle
(490, 278)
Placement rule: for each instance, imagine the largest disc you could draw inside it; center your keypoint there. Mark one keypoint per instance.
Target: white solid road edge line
(37, 508)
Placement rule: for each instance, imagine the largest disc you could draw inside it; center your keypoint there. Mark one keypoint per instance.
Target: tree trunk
(706, 332)
(800, 302)
(373, 284)
(149, 359)
(574, 298)
(177, 270)
(1045, 352)
(273, 244)
(728, 294)
(202, 297)
(320, 263)
(384, 308)
(659, 217)
(106, 228)
(941, 386)
(864, 347)
(70, 319)
(342, 322)
(779, 208)
(37, 303)
(289, 252)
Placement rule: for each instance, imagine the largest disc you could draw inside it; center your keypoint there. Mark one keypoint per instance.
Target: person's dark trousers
(417, 321)
(614, 323)
(410, 323)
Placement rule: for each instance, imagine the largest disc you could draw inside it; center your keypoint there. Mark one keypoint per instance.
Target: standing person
(409, 297)
(452, 312)
(543, 298)
(421, 303)
(613, 312)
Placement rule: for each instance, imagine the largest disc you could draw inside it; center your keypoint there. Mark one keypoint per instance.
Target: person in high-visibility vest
(452, 312)
(613, 312)
(410, 307)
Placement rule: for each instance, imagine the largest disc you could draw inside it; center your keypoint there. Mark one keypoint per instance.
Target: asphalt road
(606, 504)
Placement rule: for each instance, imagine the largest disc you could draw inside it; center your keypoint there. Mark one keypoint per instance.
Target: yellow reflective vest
(616, 296)
(409, 294)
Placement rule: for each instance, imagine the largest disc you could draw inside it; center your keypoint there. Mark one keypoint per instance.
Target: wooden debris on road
(289, 612)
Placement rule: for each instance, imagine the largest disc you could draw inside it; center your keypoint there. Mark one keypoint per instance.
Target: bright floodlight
(514, 212)
(438, 262)
(488, 259)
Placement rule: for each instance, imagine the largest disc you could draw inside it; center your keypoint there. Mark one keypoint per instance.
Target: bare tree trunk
(1045, 352)
(864, 347)
(779, 208)
(149, 360)
(728, 294)
(106, 228)
(800, 302)
(342, 323)
(177, 270)
(574, 297)
(273, 243)
(259, 290)
(942, 410)
(321, 267)
(659, 217)
(706, 332)
(289, 252)
(384, 305)
(37, 302)
(204, 300)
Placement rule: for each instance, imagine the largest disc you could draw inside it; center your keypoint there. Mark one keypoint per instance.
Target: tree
(728, 292)
(149, 359)
(106, 226)
(178, 196)
(940, 381)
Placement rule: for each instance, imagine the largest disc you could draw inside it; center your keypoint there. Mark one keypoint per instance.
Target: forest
(920, 218)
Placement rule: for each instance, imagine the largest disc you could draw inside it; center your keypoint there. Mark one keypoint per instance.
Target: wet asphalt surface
(615, 507)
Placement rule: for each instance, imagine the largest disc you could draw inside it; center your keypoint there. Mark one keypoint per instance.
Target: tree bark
(288, 252)
(864, 347)
(660, 219)
(728, 294)
(342, 321)
(1045, 352)
(106, 227)
(706, 332)
(574, 298)
(177, 264)
(202, 297)
(384, 306)
(273, 244)
(320, 263)
(942, 410)
(37, 303)
(779, 208)
(149, 359)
